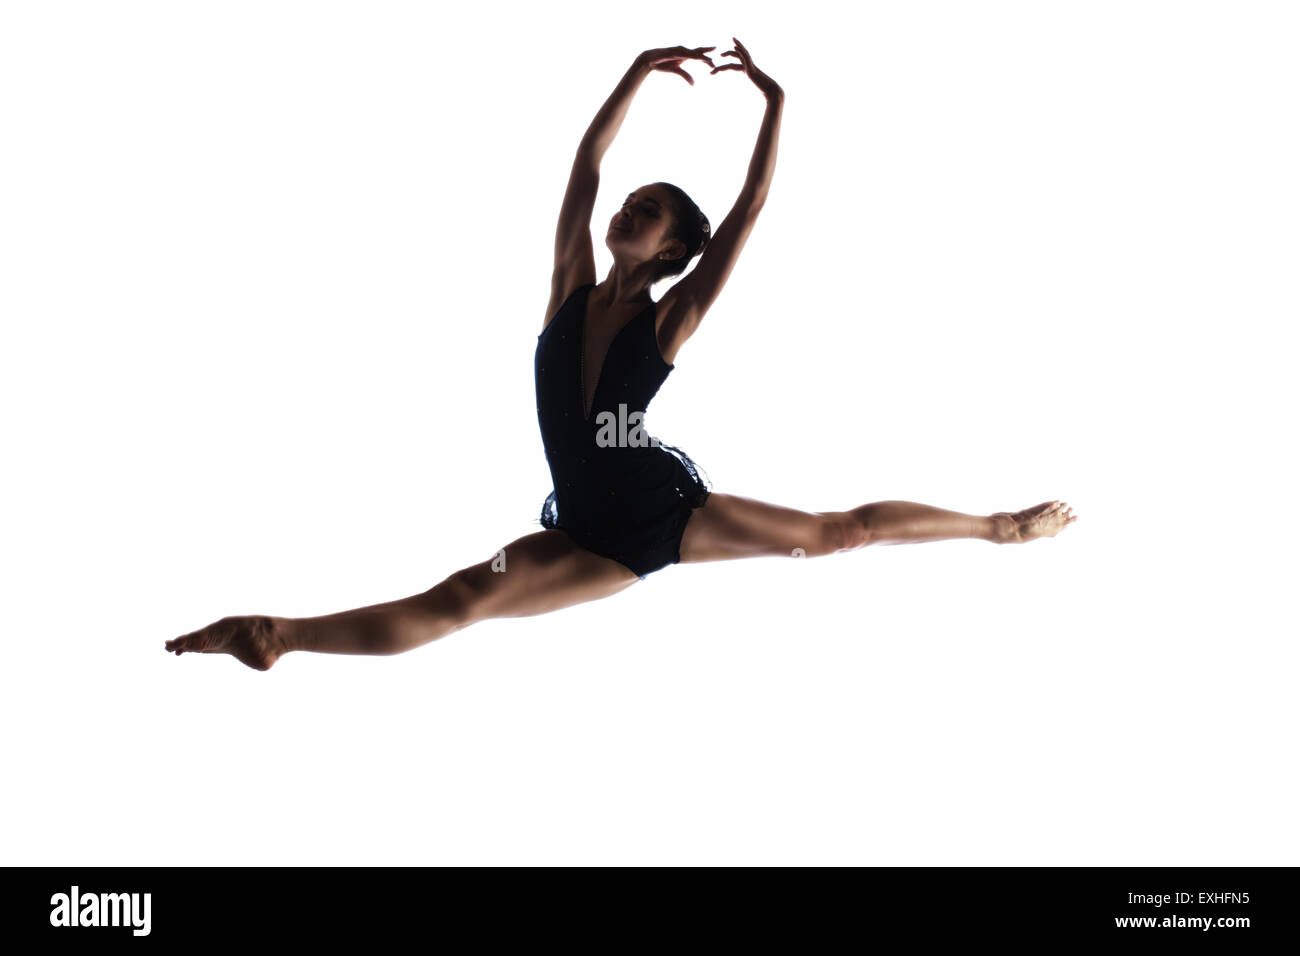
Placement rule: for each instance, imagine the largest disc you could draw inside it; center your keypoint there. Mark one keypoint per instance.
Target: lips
(622, 228)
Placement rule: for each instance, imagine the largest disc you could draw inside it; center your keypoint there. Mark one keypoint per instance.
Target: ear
(675, 250)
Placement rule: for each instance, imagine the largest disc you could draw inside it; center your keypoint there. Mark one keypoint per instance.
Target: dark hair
(689, 225)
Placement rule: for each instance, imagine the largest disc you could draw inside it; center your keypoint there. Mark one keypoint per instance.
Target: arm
(762, 164)
(609, 118)
(574, 256)
(696, 292)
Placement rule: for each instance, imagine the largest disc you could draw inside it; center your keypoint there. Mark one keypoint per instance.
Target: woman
(623, 505)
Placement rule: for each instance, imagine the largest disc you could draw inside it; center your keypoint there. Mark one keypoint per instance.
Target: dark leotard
(615, 493)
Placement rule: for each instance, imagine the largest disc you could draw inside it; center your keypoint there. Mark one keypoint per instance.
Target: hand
(669, 59)
(746, 65)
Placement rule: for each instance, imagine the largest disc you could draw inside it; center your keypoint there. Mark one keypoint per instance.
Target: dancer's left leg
(733, 526)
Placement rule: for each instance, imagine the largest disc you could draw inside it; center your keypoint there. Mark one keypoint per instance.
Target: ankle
(1005, 529)
(285, 635)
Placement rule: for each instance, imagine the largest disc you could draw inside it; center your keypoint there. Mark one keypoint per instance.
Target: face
(640, 227)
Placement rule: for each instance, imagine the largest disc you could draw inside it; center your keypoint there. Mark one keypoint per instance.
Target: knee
(460, 597)
(847, 531)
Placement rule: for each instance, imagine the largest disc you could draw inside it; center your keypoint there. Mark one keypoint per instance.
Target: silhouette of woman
(624, 504)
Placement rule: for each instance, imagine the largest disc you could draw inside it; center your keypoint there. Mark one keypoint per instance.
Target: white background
(272, 279)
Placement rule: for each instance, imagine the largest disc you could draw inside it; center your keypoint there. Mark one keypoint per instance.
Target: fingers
(700, 53)
(745, 65)
(729, 66)
(697, 52)
(670, 61)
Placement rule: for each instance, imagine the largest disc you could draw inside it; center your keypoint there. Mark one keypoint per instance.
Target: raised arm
(574, 254)
(692, 296)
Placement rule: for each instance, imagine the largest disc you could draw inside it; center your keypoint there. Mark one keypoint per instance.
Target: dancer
(624, 504)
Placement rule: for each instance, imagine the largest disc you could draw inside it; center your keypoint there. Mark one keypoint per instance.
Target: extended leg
(540, 572)
(733, 526)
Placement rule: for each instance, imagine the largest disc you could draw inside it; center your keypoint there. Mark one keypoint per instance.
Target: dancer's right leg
(540, 572)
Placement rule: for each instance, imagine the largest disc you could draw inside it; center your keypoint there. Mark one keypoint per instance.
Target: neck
(626, 285)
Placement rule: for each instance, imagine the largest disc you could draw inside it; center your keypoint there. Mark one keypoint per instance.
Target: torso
(626, 498)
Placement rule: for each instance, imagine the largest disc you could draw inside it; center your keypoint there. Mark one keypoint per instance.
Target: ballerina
(624, 504)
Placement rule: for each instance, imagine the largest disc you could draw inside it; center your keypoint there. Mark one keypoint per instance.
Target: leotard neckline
(582, 349)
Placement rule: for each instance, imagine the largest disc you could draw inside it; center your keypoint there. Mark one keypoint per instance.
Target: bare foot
(1040, 521)
(256, 641)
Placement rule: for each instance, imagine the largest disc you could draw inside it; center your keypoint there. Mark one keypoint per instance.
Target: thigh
(733, 526)
(540, 572)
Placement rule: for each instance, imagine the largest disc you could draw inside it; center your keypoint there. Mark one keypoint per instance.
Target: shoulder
(563, 289)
